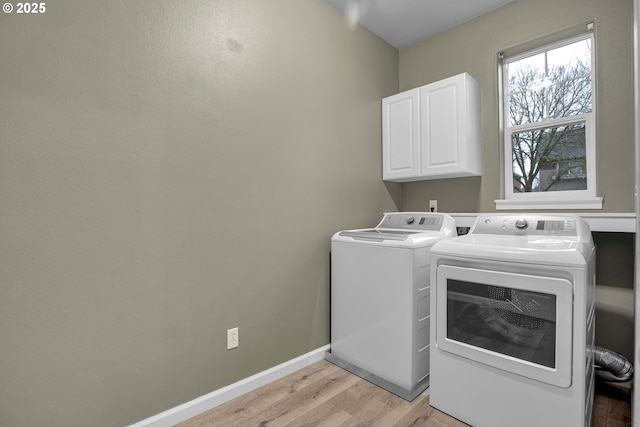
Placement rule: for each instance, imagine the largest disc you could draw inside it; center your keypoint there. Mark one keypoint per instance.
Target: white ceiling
(404, 22)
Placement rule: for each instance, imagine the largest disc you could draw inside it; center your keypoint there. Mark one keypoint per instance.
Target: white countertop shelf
(607, 222)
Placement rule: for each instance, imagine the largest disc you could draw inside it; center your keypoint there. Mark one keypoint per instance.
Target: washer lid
(402, 230)
(378, 235)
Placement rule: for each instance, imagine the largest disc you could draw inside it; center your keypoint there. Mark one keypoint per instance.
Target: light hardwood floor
(325, 395)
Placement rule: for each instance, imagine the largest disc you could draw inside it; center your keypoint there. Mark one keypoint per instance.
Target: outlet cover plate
(232, 338)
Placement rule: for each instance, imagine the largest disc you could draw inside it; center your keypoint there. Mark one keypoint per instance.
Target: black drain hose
(611, 366)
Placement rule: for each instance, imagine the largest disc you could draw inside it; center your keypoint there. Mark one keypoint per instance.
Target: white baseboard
(211, 400)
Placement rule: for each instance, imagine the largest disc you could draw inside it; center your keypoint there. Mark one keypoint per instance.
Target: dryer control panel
(526, 225)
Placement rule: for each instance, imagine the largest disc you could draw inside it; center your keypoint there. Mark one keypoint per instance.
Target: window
(549, 127)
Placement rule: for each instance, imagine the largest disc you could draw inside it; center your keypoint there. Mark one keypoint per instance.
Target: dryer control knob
(521, 223)
(410, 220)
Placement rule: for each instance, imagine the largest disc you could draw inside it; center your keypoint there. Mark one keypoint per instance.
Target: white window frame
(576, 199)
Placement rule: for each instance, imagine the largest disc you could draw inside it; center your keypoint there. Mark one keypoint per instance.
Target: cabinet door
(401, 136)
(450, 128)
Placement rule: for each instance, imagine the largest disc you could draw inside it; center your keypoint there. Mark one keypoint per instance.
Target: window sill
(582, 203)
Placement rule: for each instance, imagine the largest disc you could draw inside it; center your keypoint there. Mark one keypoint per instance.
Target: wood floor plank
(238, 411)
(382, 409)
(324, 395)
(343, 402)
(615, 410)
(303, 400)
(421, 414)
(294, 394)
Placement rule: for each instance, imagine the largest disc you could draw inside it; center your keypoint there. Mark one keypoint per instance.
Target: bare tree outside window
(548, 95)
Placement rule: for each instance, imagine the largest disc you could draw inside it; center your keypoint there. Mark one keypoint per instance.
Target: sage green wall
(169, 170)
(473, 47)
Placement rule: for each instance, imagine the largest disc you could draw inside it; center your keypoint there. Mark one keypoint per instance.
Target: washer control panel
(418, 221)
(528, 225)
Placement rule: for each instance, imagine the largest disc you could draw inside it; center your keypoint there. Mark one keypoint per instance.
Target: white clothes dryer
(513, 322)
(380, 299)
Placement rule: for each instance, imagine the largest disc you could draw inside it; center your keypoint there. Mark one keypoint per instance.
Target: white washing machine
(380, 299)
(513, 322)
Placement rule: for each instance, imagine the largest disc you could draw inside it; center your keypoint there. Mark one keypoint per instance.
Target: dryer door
(515, 322)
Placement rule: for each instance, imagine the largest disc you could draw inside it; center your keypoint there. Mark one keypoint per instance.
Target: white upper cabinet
(401, 135)
(433, 131)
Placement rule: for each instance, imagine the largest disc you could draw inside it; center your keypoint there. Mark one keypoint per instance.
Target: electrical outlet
(433, 205)
(232, 338)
